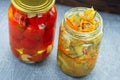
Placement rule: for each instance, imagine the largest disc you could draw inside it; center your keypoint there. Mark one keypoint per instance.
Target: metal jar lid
(33, 6)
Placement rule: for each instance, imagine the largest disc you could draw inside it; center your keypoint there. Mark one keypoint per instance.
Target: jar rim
(28, 6)
(100, 26)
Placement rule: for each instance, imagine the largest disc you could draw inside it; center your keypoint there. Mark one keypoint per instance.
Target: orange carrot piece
(64, 50)
(71, 24)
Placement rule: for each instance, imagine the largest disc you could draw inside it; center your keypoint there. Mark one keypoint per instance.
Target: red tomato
(38, 19)
(34, 33)
(15, 43)
(37, 57)
(49, 35)
(21, 19)
(40, 46)
(30, 51)
(17, 24)
(28, 44)
(15, 30)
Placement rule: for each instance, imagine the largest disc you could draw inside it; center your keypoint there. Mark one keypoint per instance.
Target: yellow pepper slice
(85, 22)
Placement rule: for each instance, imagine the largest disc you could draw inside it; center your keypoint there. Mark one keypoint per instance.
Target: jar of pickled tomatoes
(31, 28)
(80, 36)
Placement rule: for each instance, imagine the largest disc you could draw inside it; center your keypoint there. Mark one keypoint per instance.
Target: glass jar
(78, 51)
(31, 28)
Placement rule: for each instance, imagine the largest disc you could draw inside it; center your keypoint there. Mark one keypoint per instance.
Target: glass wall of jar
(78, 51)
(31, 28)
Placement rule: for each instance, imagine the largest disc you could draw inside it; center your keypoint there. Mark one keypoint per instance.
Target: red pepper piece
(38, 19)
(33, 21)
(51, 18)
(41, 18)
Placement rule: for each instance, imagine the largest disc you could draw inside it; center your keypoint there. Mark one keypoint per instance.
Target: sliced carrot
(71, 24)
(86, 22)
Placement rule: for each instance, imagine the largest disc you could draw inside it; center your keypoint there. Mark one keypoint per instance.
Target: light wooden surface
(108, 63)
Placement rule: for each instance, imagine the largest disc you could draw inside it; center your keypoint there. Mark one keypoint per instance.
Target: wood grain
(103, 5)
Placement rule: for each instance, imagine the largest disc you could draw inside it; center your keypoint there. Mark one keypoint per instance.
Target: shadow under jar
(78, 51)
(31, 28)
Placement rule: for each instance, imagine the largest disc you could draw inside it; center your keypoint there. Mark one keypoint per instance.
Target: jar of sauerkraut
(80, 36)
(31, 28)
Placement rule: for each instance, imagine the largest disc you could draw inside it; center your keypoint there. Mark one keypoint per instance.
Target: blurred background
(108, 63)
(103, 5)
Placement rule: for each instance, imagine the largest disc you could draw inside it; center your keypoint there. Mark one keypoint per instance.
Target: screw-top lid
(33, 6)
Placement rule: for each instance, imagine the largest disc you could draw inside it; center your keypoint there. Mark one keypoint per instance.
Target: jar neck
(82, 35)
